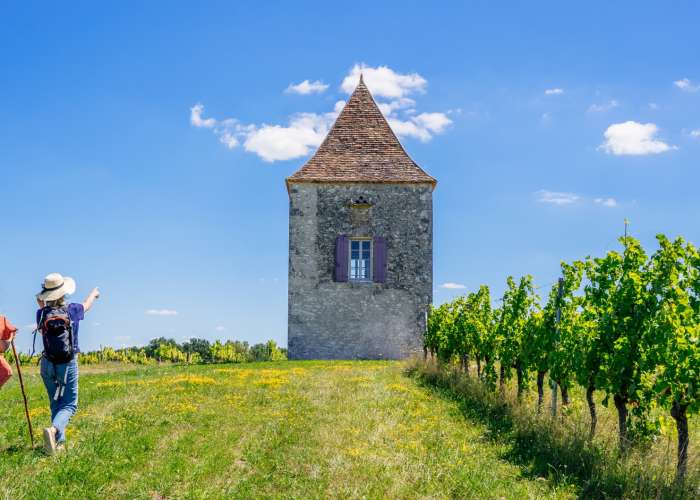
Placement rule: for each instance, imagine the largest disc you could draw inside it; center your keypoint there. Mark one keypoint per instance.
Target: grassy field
(288, 429)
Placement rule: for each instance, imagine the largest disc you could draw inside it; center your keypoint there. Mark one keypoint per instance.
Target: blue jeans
(61, 382)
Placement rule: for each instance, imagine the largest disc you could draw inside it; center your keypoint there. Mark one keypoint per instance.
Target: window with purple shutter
(379, 270)
(341, 259)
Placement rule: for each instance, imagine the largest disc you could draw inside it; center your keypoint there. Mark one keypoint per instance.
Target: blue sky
(109, 177)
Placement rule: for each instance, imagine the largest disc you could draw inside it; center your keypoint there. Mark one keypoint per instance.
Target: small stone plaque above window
(360, 202)
(360, 212)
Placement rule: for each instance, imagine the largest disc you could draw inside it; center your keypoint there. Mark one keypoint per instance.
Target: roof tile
(361, 147)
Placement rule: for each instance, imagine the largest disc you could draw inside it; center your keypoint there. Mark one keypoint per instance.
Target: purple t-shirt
(77, 314)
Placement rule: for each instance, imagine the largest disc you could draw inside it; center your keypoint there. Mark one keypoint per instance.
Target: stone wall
(329, 320)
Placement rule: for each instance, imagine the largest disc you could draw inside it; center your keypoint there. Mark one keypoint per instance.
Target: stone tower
(360, 243)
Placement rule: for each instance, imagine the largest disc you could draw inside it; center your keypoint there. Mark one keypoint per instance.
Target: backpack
(57, 334)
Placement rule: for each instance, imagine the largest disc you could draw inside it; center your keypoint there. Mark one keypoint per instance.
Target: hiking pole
(24, 394)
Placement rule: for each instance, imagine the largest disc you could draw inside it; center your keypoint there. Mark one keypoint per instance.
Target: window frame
(370, 270)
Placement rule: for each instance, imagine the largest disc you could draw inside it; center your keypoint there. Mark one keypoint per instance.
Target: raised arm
(95, 294)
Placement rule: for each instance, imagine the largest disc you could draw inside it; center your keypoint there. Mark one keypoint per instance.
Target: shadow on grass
(21, 449)
(14, 449)
(551, 449)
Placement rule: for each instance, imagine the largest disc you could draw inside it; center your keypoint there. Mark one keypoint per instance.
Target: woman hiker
(7, 333)
(58, 322)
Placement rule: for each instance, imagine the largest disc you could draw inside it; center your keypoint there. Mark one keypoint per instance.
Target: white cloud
(686, 85)
(265, 281)
(220, 328)
(306, 87)
(606, 202)
(408, 128)
(556, 197)
(435, 122)
(231, 132)
(653, 105)
(278, 142)
(387, 108)
(228, 139)
(161, 312)
(695, 133)
(305, 131)
(599, 108)
(560, 198)
(555, 91)
(339, 105)
(196, 117)
(632, 138)
(453, 286)
(421, 127)
(275, 142)
(382, 81)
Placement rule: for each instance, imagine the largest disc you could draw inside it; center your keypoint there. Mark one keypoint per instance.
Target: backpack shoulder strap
(41, 318)
(70, 321)
(37, 329)
(70, 329)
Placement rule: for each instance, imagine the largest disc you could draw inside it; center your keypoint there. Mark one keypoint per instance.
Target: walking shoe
(60, 448)
(50, 440)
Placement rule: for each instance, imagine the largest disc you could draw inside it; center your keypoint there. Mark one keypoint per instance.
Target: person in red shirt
(7, 333)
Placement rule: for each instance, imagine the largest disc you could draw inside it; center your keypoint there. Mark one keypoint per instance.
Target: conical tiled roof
(361, 147)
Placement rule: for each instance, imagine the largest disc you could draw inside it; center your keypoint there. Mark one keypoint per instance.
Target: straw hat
(56, 286)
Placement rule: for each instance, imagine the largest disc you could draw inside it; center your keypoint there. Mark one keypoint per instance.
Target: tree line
(626, 324)
(193, 351)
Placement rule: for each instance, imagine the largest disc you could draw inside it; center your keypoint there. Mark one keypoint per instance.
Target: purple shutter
(379, 259)
(341, 259)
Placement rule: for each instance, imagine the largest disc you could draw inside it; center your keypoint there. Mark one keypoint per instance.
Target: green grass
(559, 448)
(288, 429)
